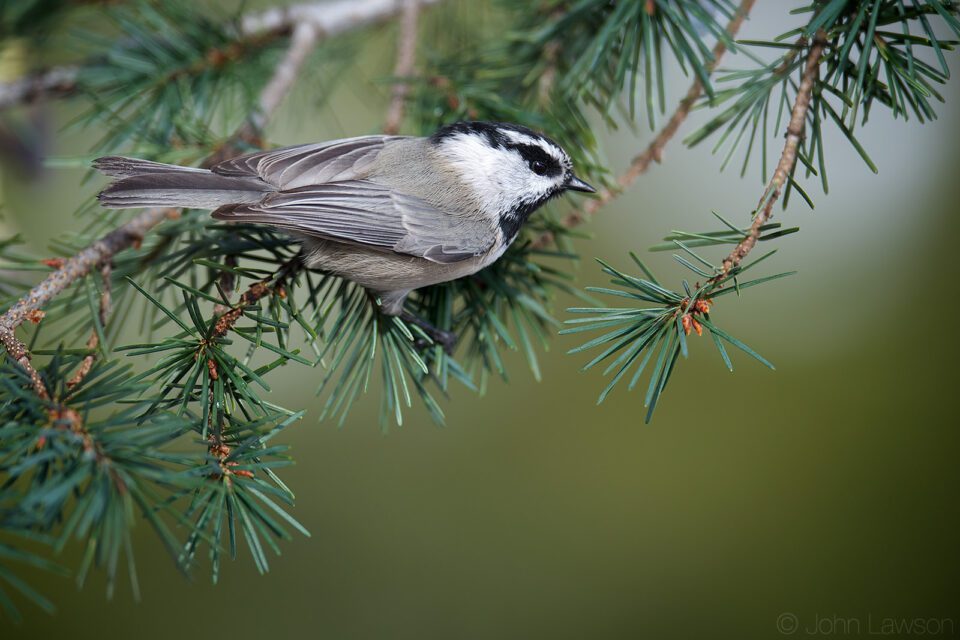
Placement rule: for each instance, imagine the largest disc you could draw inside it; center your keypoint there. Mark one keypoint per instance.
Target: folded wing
(364, 213)
(308, 164)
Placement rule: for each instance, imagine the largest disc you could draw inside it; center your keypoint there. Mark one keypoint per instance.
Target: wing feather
(308, 164)
(365, 213)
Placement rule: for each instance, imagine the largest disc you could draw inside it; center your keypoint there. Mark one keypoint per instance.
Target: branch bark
(788, 158)
(654, 151)
(406, 59)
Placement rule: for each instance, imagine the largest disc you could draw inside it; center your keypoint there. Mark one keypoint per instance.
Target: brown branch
(302, 42)
(256, 291)
(403, 70)
(227, 316)
(19, 354)
(93, 342)
(654, 151)
(795, 133)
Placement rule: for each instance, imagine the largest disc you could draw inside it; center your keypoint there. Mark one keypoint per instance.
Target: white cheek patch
(480, 169)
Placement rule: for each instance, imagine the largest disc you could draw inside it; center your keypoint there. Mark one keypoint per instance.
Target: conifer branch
(788, 158)
(325, 19)
(654, 151)
(406, 59)
(309, 22)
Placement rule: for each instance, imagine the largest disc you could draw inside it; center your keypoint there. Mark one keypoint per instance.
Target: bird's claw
(446, 339)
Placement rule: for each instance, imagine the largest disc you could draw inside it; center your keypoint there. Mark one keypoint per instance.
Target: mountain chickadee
(391, 213)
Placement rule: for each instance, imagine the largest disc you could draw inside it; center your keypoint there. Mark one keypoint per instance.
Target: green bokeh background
(825, 490)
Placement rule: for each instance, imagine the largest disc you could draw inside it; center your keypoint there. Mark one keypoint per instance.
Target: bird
(390, 213)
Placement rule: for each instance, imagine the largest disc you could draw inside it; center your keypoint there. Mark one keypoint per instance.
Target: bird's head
(509, 170)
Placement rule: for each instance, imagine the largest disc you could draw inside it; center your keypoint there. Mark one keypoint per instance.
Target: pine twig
(549, 76)
(18, 353)
(256, 292)
(93, 342)
(654, 151)
(788, 158)
(551, 52)
(406, 59)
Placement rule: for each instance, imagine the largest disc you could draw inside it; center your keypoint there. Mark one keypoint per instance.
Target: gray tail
(143, 183)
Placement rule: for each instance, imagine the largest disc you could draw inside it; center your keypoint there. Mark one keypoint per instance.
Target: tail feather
(152, 184)
(121, 167)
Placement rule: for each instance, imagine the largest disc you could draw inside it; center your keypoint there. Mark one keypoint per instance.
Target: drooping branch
(788, 158)
(654, 151)
(406, 58)
(302, 43)
(19, 354)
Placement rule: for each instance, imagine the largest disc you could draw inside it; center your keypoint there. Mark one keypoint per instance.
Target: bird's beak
(576, 184)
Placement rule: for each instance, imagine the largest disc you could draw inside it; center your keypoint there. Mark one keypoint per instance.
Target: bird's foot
(446, 339)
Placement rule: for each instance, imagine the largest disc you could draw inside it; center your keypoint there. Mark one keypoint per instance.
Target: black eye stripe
(532, 153)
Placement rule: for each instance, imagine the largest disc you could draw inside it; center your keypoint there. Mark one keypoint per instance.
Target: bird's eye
(538, 167)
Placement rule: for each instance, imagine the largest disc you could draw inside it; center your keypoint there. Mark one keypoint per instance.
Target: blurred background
(825, 491)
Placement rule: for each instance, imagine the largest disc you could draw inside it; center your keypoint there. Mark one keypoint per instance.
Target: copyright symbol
(787, 623)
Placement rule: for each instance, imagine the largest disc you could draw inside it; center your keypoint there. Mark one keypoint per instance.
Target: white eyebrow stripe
(521, 138)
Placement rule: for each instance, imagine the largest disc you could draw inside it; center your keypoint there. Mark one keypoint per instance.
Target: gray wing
(308, 164)
(372, 215)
